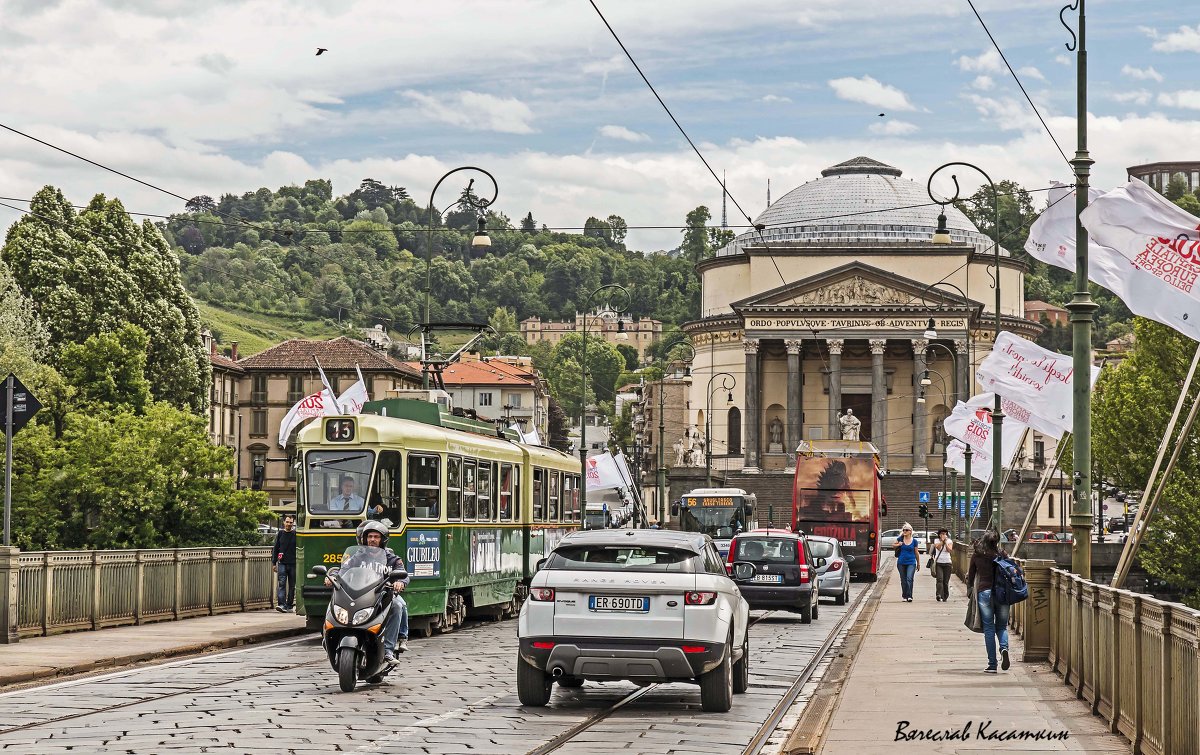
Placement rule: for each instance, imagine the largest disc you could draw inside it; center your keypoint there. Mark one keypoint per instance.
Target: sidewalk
(80, 652)
(919, 664)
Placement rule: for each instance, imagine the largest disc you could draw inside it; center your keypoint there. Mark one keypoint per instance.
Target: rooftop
(341, 353)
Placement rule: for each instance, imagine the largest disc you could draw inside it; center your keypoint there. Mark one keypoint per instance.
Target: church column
(965, 389)
(879, 405)
(795, 417)
(752, 420)
(920, 434)
(835, 385)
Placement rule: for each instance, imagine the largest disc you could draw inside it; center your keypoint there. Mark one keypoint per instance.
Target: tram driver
(395, 629)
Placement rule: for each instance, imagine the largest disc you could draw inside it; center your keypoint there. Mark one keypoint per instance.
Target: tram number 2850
(332, 558)
(339, 430)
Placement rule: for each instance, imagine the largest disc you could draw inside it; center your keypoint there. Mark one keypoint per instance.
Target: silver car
(888, 538)
(833, 578)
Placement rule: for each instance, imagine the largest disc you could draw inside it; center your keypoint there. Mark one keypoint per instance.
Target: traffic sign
(923, 496)
(24, 404)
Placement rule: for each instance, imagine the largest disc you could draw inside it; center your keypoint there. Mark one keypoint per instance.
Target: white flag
(603, 473)
(317, 405)
(1052, 236)
(351, 402)
(973, 425)
(1036, 378)
(533, 437)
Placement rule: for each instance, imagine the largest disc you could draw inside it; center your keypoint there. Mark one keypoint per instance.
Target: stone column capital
(960, 345)
(835, 345)
(794, 345)
(877, 345)
(750, 345)
(920, 345)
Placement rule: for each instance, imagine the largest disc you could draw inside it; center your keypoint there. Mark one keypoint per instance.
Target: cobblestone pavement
(453, 693)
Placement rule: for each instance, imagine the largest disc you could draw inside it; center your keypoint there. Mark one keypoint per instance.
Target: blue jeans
(396, 625)
(995, 621)
(907, 572)
(285, 585)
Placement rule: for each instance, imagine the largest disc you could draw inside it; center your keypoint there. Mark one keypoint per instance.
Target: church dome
(859, 200)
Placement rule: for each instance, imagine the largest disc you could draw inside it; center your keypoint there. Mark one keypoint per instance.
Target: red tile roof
(340, 354)
(474, 372)
(225, 363)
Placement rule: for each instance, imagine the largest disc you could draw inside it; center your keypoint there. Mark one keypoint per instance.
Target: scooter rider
(395, 629)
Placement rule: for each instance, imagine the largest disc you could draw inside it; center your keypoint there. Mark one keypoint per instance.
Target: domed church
(826, 311)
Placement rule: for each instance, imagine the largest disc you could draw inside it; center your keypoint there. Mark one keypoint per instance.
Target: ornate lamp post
(728, 381)
(942, 236)
(480, 240)
(615, 299)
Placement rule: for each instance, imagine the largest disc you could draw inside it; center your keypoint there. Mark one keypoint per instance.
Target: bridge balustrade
(48, 592)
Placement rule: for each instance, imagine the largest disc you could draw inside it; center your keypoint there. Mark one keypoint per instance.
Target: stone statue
(678, 453)
(776, 432)
(698, 449)
(850, 425)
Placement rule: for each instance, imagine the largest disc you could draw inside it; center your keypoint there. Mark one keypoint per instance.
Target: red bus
(836, 493)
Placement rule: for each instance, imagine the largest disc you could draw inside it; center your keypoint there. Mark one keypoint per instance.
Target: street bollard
(10, 573)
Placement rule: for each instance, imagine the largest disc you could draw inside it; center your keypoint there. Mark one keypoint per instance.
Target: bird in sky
(321, 50)
(880, 115)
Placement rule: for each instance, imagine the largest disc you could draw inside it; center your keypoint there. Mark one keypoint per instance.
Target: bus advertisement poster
(424, 553)
(834, 490)
(485, 551)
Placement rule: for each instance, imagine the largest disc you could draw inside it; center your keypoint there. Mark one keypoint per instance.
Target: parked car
(785, 574)
(1117, 524)
(1064, 537)
(833, 578)
(888, 538)
(1041, 537)
(635, 605)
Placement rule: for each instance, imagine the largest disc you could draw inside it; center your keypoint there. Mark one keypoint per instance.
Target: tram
(470, 510)
(837, 494)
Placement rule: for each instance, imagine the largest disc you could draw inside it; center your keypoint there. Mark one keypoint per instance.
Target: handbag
(974, 621)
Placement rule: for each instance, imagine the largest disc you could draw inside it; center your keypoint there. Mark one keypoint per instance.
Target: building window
(1050, 514)
(514, 400)
(258, 422)
(258, 390)
(485, 399)
(734, 431)
(295, 388)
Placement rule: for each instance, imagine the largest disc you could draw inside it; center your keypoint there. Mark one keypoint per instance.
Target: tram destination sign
(852, 323)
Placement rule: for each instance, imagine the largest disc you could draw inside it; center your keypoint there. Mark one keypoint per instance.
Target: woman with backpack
(993, 615)
(906, 561)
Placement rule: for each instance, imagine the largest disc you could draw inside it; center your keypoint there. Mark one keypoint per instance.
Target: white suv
(638, 605)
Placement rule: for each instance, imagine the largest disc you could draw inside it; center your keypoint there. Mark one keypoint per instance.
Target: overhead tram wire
(1019, 84)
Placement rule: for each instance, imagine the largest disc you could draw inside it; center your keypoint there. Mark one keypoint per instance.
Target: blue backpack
(1008, 584)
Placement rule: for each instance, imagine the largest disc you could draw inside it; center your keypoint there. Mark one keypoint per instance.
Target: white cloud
(871, 92)
(622, 133)
(983, 82)
(987, 61)
(893, 128)
(1137, 97)
(1142, 74)
(1187, 39)
(775, 98)
(1185, 98)
(476, 111)
(1063, 59)
(1031, 72)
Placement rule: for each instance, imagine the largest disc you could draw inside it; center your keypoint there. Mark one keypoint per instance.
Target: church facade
(841, 306)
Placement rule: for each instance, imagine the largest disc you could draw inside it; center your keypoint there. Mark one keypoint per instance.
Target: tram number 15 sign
(339, 430)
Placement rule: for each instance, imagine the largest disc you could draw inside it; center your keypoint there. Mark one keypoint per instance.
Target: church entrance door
(861, 404)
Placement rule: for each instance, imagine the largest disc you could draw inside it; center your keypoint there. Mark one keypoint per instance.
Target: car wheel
(716, 687)
(842, 599)
(741, 667)
(533, 684)
(570, 682)
(816, 607)
(806, 614)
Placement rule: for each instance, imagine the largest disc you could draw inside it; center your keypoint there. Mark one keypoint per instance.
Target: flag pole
(1152, 492)
(325, 383)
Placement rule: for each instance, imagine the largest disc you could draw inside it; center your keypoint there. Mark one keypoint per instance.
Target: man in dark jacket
(283, 563)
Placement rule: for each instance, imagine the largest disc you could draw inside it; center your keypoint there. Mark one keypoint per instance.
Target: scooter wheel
(347, 667)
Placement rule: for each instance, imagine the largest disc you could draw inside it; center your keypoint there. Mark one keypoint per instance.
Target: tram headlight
(362, 615)
(341, 614)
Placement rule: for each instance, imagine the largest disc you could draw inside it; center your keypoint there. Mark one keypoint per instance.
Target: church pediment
(856, 285)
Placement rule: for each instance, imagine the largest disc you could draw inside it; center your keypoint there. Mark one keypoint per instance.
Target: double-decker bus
(719, 513)
(837, 494)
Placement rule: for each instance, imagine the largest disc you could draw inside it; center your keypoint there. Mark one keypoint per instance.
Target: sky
(229, 96)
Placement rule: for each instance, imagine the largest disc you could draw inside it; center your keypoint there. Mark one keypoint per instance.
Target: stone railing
(47, 592)
(1133, 658)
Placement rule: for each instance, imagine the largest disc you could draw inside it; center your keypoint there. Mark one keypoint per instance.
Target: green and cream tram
(470, 512)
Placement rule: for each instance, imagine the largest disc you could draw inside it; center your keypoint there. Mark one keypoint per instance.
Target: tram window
(469, 497)
(335, 481)
(552, 510)
(506, 492)
(516, 493)
(384, 500)
(424, 486)
(539, 495)
(569, 503)
(453, 488)
(485, 492)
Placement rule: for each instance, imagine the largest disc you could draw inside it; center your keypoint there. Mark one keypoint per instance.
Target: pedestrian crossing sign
(923, 496)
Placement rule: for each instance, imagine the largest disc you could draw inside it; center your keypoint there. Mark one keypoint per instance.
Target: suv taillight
(803, 565)
(542, 594)
(699, 598)
(729, 561)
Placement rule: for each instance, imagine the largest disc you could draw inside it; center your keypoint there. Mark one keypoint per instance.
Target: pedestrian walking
(994, 617)
(283, 563)
(942, 547)
(906, 561)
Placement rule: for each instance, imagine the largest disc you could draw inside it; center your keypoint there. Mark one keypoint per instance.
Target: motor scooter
(358, 609)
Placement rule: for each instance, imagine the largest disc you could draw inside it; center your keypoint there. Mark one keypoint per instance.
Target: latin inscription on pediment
(856, 290)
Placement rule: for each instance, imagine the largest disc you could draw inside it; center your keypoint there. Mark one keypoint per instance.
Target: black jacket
(285, 544)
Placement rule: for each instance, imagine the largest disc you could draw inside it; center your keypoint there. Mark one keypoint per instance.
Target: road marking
(414, 728)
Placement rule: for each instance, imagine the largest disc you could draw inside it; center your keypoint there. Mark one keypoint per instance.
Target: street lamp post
(942, 236)
(610, 291)
(662, 429)
(479, 240)
(728, 381)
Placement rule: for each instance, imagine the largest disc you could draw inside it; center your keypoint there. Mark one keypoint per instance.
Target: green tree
(565, 372)
(597, 229)
(618, 228)
(108, 370)
(1016, 214)
(695, 235)
(630, 355)
(528, 224)
(1176, 187)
